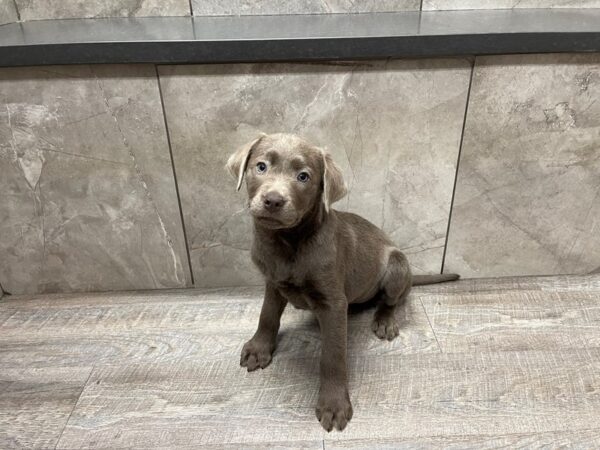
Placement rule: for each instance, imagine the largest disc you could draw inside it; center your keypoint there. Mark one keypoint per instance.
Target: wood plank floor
(504, 363)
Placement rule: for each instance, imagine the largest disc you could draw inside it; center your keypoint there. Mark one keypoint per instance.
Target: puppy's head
(286, 178)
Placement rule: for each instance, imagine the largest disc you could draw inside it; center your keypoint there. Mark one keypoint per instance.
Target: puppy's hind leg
(395, 287)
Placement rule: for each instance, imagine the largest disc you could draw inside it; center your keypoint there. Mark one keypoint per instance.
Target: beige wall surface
(429, 5)
(268, 7)
(79, 9)
(25, 10)
(528, 190)
(13, 10)
(90, 201)
(8, 12)
(88, 197)
(394, 127)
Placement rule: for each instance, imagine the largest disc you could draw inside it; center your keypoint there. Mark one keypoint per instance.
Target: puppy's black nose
(273, 201)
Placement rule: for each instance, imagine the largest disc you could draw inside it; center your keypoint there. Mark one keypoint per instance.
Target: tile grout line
(74, 407)
(430, 325)
(460, 147)
(17, 11)
(185, 240)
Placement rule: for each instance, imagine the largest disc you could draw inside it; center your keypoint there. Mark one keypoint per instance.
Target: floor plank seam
(74, 407)
(430, 325)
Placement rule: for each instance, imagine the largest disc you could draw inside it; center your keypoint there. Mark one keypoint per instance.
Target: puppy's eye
(303, 177)
(261, 167)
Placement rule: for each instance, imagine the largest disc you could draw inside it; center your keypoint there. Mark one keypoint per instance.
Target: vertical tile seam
(460, 147)
(185, 240)
(17, 10)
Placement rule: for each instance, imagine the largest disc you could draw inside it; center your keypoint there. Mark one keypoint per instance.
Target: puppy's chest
(293, 278)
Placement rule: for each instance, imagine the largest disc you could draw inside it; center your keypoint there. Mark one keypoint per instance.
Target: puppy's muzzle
(273, 202)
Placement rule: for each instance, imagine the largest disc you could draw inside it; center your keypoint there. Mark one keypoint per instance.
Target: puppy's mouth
(269, 220)
(272, 221)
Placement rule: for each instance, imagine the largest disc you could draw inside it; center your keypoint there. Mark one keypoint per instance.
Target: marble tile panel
(394, 128)
(88, 195)
(79, 9)
(8, 12)
(429, 5)
(528, 191)
(268, 7)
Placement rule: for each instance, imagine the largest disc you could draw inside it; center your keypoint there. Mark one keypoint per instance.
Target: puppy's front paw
(256, 353)
(385, 327)
(334, 410)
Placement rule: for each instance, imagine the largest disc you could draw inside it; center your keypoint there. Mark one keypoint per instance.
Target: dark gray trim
(299, 37)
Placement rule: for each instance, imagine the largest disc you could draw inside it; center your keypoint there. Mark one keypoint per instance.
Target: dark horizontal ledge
(299, 37)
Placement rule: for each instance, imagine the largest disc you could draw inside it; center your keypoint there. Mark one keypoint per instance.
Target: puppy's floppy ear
(334, 187)
(238, 162)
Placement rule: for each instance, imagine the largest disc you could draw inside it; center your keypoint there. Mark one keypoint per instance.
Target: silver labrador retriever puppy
(316, 258)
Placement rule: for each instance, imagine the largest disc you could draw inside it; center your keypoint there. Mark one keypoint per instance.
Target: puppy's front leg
(333, 408)
(257, 352)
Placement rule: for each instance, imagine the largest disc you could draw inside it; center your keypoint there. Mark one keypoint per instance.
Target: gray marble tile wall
(394, 127)
(69, 9)
(13, 10)
(268, 7)
(429, 5)
(88, 198)
(8, 12)
(528, 191)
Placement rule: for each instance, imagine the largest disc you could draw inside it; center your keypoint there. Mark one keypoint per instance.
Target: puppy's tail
(419, 280)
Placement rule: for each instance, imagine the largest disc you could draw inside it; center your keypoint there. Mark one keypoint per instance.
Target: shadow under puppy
(316, 258)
